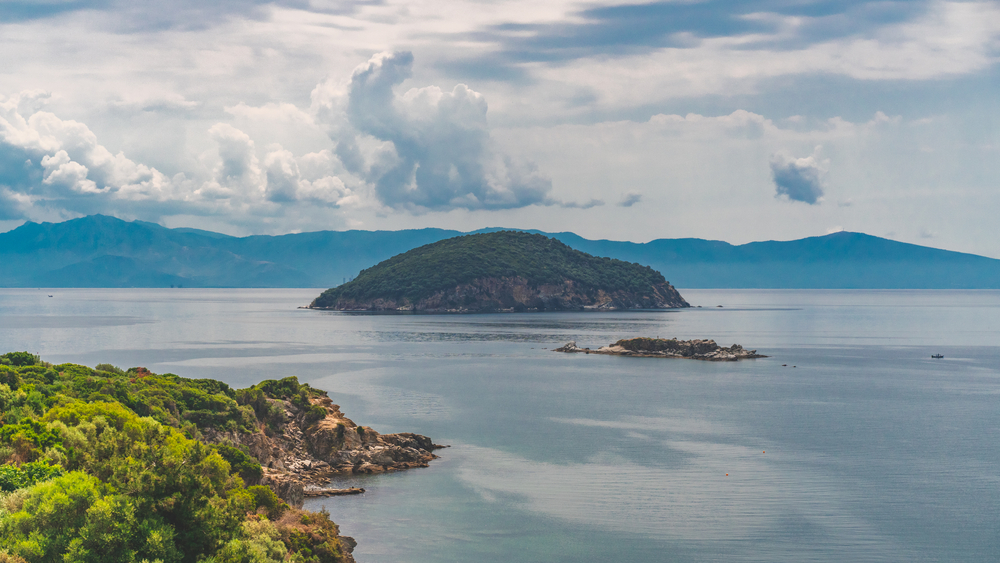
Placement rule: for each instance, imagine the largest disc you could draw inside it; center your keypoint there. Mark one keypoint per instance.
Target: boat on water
(937, 356)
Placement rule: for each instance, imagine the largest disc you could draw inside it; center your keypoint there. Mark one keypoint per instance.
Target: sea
(847, 443)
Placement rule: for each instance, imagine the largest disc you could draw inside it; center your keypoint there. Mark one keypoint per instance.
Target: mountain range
(102, 251)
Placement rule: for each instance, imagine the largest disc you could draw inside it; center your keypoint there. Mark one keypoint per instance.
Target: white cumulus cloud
(799, 179)
(432, 148)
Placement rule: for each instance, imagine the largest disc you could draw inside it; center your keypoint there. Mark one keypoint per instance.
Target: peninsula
(105, 464)
(706, 350)
(504, 271)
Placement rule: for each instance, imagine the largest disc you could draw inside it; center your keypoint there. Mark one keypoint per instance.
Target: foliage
(260, 542)
(241, 463)
(19, 359)
(14, 477)
(311, 536)
(423, 271)
(266, 500)
(106, 465)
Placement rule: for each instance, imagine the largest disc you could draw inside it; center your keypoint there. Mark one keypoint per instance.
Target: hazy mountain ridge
(72, 254)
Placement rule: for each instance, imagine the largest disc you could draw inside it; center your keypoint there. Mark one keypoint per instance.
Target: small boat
(937, 356)
(50, 296)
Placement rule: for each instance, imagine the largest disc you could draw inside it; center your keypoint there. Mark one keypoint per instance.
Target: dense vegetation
(106, 464)
(442, 265)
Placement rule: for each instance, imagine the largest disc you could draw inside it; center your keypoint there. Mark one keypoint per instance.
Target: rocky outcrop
(310, 444)
(511, 294)
(706, 350)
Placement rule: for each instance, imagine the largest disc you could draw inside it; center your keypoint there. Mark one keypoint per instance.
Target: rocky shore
(314, 442)
(706, 350)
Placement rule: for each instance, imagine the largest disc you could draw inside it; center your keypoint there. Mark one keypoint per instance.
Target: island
(706, 350)
(504, 271)
(106, 464)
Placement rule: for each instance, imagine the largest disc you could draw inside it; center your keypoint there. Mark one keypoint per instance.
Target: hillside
(501, 271)
(105, 464)
(100, 251)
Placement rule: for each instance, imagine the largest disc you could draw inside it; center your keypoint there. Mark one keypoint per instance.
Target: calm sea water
(874, 451)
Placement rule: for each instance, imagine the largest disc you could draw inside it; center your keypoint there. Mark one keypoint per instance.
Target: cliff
(502, 271)
(308, 443)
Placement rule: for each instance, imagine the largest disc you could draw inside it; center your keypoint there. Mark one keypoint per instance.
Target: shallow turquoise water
(874, 451)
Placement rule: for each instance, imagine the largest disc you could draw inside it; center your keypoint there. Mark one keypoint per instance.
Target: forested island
(503, 271)
(109, 465)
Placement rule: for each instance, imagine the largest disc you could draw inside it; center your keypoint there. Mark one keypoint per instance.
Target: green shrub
(20, 359)
(13, 477)
(311, 536)
(260, 542)
(242, 463)
(265, 498)
(314, 414)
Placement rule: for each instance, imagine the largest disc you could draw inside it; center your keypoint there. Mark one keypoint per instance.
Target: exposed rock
(706, 350)
(300, 454)
(329, 492)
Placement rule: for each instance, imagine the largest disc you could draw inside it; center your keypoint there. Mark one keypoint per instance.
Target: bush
(265, 498)
(18, 359)
(13, 477)
(314, 414)
(311, 536)
(260, 543)
(109, 369)
(242, 463)
(280, 389)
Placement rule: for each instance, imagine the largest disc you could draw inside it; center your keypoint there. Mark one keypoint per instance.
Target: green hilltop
(104, 464)
(499, 271)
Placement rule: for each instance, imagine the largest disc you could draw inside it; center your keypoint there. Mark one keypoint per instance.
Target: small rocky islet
(706, 350)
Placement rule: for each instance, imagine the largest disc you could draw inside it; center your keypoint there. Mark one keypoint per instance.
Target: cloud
(799, 179)
(575, 205)
(287, 183)
(433, 151)
(238, 165)
(51, 160)
(48, 162)
(11, 207)
(143, 15)
(618, 29)
(630, 199)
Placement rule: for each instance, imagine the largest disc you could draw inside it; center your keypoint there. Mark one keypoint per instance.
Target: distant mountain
(505, 270)
(100, 251)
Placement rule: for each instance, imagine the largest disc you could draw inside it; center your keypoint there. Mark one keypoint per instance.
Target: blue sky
(738, 121)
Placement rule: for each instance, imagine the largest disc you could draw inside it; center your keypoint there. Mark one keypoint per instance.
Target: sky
(717, 119)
